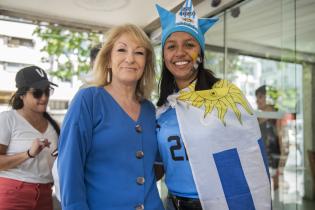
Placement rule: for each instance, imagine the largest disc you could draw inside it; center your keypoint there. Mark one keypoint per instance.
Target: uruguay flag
(223, 141)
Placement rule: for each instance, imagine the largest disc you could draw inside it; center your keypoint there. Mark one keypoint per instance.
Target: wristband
(29, 155)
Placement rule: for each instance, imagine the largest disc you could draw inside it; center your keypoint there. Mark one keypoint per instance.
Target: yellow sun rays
(222, 96)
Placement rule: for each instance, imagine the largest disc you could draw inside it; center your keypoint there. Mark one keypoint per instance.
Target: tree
(67, 51)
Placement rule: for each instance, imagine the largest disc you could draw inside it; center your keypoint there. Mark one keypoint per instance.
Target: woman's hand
(12, 161)
(38, 145)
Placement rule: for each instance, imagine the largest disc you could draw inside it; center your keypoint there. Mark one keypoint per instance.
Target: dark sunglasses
(38, 93)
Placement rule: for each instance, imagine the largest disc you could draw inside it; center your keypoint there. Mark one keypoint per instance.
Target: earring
(198, 61)
(109, 75)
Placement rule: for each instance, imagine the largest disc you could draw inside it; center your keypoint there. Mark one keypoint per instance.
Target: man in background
(88, 76)
(93, 53)
(270, 133)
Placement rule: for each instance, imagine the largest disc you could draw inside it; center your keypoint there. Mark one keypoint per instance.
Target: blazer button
(138, 128)
(139, 154)
(139, 207)
(140, 180)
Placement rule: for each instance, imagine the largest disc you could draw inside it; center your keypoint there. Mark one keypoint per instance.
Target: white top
(18, 134)
(56, 179)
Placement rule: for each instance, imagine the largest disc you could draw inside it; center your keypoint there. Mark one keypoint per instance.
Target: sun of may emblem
(222, 96)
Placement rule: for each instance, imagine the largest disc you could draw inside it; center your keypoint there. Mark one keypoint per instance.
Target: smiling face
(180, 53)
(128, 59)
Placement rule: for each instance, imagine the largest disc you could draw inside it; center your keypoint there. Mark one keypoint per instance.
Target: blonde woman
(108, 143)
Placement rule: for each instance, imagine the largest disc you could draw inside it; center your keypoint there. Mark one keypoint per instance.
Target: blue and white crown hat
(184, 20)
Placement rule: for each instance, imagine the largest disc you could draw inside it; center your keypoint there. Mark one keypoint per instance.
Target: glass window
(265, 43)
(19, 42)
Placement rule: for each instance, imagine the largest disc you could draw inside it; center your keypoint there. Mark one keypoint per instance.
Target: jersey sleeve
(75, 141)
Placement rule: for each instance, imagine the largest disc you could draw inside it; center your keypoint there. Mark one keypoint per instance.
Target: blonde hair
(102, 72)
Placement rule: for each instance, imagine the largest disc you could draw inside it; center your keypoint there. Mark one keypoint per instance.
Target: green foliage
(214, 62)
(273, 93)
(289, 100)
(282, 99)
(158, 71)
(66, 50)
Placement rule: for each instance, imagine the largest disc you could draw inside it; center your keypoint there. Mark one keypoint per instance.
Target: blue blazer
(105, 157)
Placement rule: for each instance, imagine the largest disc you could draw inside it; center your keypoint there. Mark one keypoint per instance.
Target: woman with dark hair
(28, 139)
(209, 138)
(205, 79)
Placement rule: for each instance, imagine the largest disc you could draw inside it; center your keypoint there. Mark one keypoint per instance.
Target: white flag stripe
(216, 193)
(256, 175)
(235, 134)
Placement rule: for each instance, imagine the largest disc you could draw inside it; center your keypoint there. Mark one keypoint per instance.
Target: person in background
(270, 130)
(93, 53)
(209, 139)
(88, 77)
(108, 142)
(28, 139)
